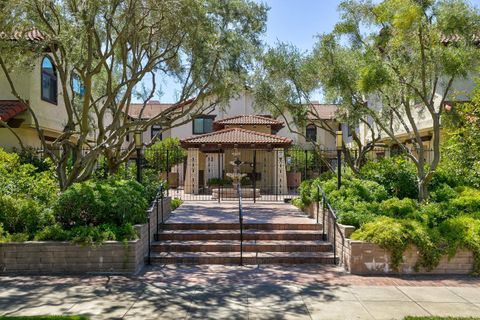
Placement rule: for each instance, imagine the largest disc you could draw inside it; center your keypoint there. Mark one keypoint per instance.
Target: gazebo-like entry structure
(252, 139)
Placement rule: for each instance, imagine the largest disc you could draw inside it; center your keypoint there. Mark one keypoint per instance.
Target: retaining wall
(360, 257)
(39, 257)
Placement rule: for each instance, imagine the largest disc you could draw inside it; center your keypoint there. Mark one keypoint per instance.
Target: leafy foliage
(99, 202)
(164, 154)
(396, 174)
(175, 203)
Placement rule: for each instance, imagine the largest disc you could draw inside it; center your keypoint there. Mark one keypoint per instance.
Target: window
(77, 86)
(311, 133)
(49, 81)
(155, 129)
(203, 124)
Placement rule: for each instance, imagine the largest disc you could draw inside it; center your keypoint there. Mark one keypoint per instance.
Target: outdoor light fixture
(339, 158)
(138, 139)
(138, 146)
(339, 139)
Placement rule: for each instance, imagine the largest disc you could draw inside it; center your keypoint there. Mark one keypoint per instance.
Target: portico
(253, 138)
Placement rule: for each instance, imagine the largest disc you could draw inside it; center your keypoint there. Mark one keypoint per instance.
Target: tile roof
(152, 108)
(10, 108)
(249, 119)
(236, 136)
(323, 111)
(30, 35)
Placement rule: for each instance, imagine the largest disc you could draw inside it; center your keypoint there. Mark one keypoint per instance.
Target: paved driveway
(231, 292)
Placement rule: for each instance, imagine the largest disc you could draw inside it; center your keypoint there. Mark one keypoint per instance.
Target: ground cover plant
(89, 212)
(381, 203)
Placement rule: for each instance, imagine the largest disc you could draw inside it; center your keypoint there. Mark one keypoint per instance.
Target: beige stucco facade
(51, 117)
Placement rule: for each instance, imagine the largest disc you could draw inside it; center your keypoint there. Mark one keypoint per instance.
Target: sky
(298, 21)
(292, 21)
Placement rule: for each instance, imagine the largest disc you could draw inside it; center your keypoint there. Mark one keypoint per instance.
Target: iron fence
(203, 175)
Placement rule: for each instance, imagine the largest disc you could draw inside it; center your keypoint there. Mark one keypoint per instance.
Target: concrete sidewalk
(230, 292)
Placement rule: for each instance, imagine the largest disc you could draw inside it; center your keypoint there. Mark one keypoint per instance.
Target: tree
(412, 52)
(112, 46)
(163, 155)
(286, 79)
(461, 149)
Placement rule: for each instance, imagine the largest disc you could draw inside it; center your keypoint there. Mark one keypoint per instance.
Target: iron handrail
(331, 212)
(240, 220)
(155, 204)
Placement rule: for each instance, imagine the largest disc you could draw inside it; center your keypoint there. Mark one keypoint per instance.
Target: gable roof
(248, 120)
(322, 111)
(152, 108)
(33, 35)
(236, 136)
(10, 108)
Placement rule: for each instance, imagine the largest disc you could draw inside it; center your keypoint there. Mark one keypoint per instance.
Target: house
(459, 93)
(251, 139)
(210, 139)
(37, 85)
(244, 104)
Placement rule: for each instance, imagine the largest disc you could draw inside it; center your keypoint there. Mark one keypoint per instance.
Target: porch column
(191, 177)
(280, 174)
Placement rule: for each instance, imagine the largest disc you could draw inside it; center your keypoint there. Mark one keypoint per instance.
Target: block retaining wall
(44, 257)
(364, 258)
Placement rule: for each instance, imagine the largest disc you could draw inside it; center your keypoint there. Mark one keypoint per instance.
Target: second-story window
(49, 81)
(203, 124)
(311, 133)
(155, 129)
(77, 86)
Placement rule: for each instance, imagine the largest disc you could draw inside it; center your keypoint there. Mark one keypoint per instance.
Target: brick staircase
(219, 243)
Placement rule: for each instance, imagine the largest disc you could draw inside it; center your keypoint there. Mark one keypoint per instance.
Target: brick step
(236, 226)
(248, 258)
(193, 235)
(248, 246)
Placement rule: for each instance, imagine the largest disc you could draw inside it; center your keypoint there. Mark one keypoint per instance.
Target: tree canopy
(113, 47)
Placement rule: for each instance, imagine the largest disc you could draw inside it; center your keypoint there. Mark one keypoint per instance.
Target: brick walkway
(233, 292)
(227, 212)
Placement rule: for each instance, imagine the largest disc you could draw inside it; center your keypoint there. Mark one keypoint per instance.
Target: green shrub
(396, 174)
(357, 190)
(98, 202)
(165, 152)
(443, 193)
(462, 232)
(306, 192)
(52, 233)
(25, 180)
(3, 234)
(19, 237)
(297, 202)
(20, 215)
(397, 208)
(175, 203)
(90, 235)
(246, 181)
(468, 201)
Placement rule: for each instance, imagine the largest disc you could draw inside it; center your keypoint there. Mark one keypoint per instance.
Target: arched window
(49, 80)
(311, 133)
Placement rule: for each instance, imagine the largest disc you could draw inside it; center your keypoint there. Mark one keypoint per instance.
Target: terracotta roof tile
(152, 109)
(248, 119)
(323, 111)
(236, 136)
(10, 108)
(30, 35)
